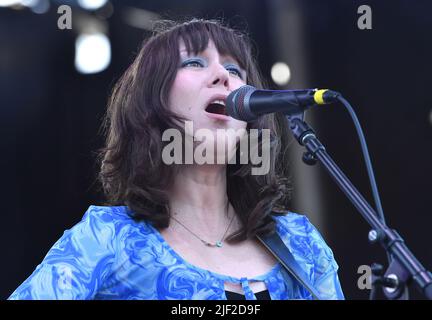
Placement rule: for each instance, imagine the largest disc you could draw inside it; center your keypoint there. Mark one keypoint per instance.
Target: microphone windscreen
(237, 103)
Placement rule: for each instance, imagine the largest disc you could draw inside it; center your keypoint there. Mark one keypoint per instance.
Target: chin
(215, 150)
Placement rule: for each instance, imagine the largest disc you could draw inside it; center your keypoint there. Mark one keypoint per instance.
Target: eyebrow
(227, 58)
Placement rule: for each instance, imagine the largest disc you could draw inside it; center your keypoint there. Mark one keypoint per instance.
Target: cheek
(182, 95)
(237, 124)
(237, 83)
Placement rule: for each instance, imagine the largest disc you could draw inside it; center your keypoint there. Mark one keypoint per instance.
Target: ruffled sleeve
(77, 264)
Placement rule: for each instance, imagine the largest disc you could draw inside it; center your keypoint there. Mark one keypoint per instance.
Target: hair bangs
(196, 36)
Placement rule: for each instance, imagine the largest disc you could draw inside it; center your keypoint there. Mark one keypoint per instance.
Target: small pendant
(219, 244)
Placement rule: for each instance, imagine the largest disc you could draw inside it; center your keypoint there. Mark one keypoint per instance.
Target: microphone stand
(404, 268)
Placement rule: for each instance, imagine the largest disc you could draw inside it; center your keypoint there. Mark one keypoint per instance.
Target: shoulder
(107, 215)
(293, 223)
(114, 223)
(311, 252)
(78, 263)
(305, 240)
(296, 225)
(100, 223)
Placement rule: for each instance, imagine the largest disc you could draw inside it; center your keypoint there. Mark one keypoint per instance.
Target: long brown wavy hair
(132, 171)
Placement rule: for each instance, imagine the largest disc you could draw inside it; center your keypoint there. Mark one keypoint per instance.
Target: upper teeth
(219, 102)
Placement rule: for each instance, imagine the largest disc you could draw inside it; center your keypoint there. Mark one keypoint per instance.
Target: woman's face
(202, 79)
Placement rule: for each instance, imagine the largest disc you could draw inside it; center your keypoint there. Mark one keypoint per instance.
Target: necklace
(217, 244)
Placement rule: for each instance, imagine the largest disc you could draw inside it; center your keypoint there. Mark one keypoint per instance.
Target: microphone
(247, 103)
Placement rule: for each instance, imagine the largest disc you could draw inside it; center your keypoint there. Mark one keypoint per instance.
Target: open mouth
(216, 108)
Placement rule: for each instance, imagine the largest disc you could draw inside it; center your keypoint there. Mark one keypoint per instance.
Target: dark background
(50, 116)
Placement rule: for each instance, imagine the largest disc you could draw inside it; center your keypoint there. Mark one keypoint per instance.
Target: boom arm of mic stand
(408, 267)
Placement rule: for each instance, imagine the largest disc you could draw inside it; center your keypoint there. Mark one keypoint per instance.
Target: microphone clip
(309, 158)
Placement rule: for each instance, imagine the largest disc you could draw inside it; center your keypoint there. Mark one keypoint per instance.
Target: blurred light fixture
(430, 117)
(92, 4)
(29, 3)
(92, 53)
(280, 73)
(9, 3)
(37, 6)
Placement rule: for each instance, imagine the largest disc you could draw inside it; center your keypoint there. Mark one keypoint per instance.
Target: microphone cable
(367, 160)
(366, 157)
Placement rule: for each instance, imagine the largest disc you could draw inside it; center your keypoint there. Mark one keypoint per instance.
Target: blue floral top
(108, 255)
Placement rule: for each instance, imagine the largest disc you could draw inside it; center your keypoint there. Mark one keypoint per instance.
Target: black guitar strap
(278, 248)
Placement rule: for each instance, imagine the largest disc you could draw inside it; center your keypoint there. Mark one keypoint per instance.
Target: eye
(234, 70)
(193, 63)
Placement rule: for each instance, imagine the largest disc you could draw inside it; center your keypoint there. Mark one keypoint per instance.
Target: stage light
(8, 3)
(29, 3)
(92, 4)
(280, 73)
(92, 53)
(37, 6)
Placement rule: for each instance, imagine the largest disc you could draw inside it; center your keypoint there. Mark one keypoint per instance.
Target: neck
(199, 199)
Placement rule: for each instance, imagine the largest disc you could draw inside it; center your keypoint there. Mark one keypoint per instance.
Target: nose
(220, 77)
